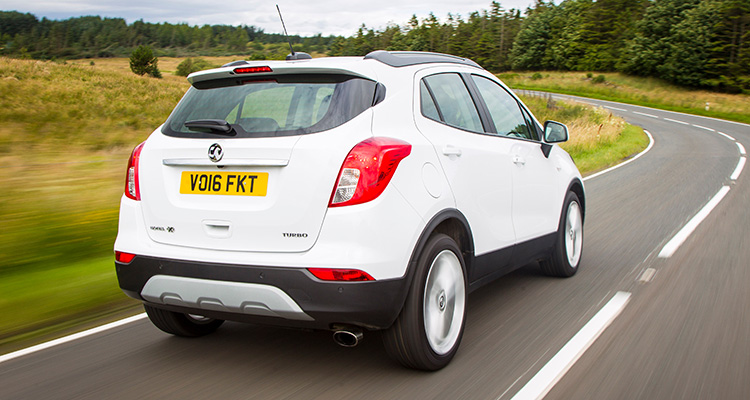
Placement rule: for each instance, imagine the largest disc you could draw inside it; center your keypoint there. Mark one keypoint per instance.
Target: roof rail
(407, 58)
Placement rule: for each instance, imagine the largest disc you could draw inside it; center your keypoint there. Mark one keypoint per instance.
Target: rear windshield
(285, 105)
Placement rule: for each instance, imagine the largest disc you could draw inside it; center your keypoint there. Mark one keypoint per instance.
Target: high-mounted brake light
(367, 169)
(124, 258)
(252, 70)
(132, 181)
(346, 275)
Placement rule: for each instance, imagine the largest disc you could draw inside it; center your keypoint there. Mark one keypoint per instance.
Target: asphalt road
(683, 333)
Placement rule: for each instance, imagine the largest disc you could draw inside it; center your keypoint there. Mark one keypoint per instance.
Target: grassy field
(647, 92)
(66, 131)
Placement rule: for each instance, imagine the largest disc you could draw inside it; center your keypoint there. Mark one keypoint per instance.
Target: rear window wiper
(214, 126)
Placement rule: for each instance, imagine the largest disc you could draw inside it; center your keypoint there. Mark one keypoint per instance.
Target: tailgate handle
(218, 229)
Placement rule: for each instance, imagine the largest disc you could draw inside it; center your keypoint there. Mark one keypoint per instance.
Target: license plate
(224, 183)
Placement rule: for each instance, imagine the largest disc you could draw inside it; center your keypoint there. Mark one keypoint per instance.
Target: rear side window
(285, 105)
(429, 109)
(454, 104)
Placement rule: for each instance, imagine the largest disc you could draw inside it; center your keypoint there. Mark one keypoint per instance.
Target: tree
(605, 27)
(142, 61)
(13, 23)
(729, 64)
(190, 65)
(690, 46)
(652, 44)
(529, 50)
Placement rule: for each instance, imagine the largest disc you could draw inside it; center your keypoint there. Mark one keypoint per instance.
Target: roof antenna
(294, 55)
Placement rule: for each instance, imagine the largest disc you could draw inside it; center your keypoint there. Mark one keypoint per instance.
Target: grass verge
(598, 139)
(632, 140)
(45, 303)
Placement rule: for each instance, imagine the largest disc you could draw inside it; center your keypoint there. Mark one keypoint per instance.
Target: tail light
(345, 275)
(132, 189)
(367, 169)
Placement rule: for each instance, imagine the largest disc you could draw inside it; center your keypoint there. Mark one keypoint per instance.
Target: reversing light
(367, 169)
(343, 275)
(252, 70)
(132, 189)
(124, 258)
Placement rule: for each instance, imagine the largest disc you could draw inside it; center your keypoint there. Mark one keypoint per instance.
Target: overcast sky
(306, 18)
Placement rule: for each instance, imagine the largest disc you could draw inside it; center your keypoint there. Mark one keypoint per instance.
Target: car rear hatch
(249, 164)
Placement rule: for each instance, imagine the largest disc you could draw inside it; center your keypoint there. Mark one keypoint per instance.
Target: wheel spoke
(434, 325)
(572, 219)
(443, 282)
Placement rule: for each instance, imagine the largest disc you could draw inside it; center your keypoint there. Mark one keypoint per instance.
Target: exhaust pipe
(348, 336)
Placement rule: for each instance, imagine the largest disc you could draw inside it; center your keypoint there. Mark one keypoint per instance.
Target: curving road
(637, 321)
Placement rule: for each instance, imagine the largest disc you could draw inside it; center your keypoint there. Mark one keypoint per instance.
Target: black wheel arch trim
(576, 186)
(465, 242)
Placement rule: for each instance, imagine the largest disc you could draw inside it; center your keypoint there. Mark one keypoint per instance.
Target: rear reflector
(124, 258)
(252, 70)
(345, 275)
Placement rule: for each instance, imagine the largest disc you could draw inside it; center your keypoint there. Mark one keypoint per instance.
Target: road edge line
(70, 338)
(622, 164)
(547, 377)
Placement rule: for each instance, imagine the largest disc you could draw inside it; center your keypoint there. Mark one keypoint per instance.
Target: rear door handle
(518, 160)
(450, 150)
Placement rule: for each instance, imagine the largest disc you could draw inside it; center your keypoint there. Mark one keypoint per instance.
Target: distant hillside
(695, 43)
(93, 36)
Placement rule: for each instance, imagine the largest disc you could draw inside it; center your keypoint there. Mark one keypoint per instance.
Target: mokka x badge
(215, 152)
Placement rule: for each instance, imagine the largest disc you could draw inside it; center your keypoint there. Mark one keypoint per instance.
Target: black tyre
(566, 255)
(427, 333)
(181, 324)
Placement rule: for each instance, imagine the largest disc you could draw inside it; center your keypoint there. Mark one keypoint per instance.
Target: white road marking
(671, 247)
(738, 170)
(555, 369)
(676, 121)
(70, 338)
(742, 148)
(615, 108)
(703, 127)
(647, 275)
(522, 375)
(726, 136)
(650, 145)
(645, 115)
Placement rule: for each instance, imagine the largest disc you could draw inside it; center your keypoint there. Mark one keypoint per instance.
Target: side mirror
(555, 132)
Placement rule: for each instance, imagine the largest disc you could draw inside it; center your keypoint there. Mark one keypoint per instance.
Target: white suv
(345, 194)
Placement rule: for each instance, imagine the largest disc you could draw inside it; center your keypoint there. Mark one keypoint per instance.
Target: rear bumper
(267, 295)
